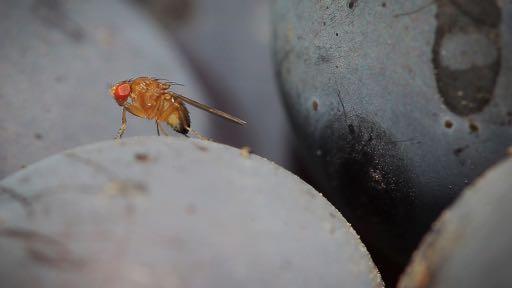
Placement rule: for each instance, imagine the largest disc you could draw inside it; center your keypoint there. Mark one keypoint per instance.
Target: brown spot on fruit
(457, 151)
(351, 5)
(473, 127)
(315, 105)
(142, 157)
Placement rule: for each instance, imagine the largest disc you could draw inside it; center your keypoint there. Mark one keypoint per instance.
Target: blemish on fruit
(473, 127)
(314, 104)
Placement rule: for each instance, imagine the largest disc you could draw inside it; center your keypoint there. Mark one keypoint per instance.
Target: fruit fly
(150, 98)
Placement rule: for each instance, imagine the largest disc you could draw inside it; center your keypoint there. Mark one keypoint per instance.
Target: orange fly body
(150, 98)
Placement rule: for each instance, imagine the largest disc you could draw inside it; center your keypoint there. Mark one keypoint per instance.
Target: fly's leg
(197, 134)
(121, 130)
(158, 129)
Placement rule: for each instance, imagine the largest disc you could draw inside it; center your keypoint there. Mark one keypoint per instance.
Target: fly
(150, 98)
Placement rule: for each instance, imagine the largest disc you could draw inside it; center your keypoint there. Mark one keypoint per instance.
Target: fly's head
(121, 91)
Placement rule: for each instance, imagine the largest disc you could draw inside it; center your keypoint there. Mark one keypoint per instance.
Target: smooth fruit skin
(471, 243)
(387, 109)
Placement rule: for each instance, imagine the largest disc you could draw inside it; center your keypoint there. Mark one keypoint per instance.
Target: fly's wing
(209, 109)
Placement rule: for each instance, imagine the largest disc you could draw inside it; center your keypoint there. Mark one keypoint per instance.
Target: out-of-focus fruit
(228, 43)
(58, 60)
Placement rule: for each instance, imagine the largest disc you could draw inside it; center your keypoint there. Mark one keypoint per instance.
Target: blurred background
(59, 57)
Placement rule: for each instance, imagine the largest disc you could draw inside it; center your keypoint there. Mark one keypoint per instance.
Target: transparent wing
(209, 109)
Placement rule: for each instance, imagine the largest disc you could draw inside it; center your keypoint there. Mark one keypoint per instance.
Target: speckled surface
(394, 124)
(172, 212)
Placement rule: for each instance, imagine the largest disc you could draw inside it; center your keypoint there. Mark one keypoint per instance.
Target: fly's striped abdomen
(178, 117)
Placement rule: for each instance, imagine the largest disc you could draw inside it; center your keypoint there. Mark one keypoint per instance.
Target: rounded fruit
(471, 243)
(172, 212)
(398, 105)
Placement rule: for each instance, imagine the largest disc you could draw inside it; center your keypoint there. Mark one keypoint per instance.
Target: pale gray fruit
(172, 212)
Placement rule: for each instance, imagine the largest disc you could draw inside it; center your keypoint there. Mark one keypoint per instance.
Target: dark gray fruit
(172, 212)
(399, 104)
(470, 245)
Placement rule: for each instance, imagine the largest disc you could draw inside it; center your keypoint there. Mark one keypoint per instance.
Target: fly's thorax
(147, 93)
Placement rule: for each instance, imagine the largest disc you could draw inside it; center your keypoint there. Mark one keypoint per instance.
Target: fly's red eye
(122, 92)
